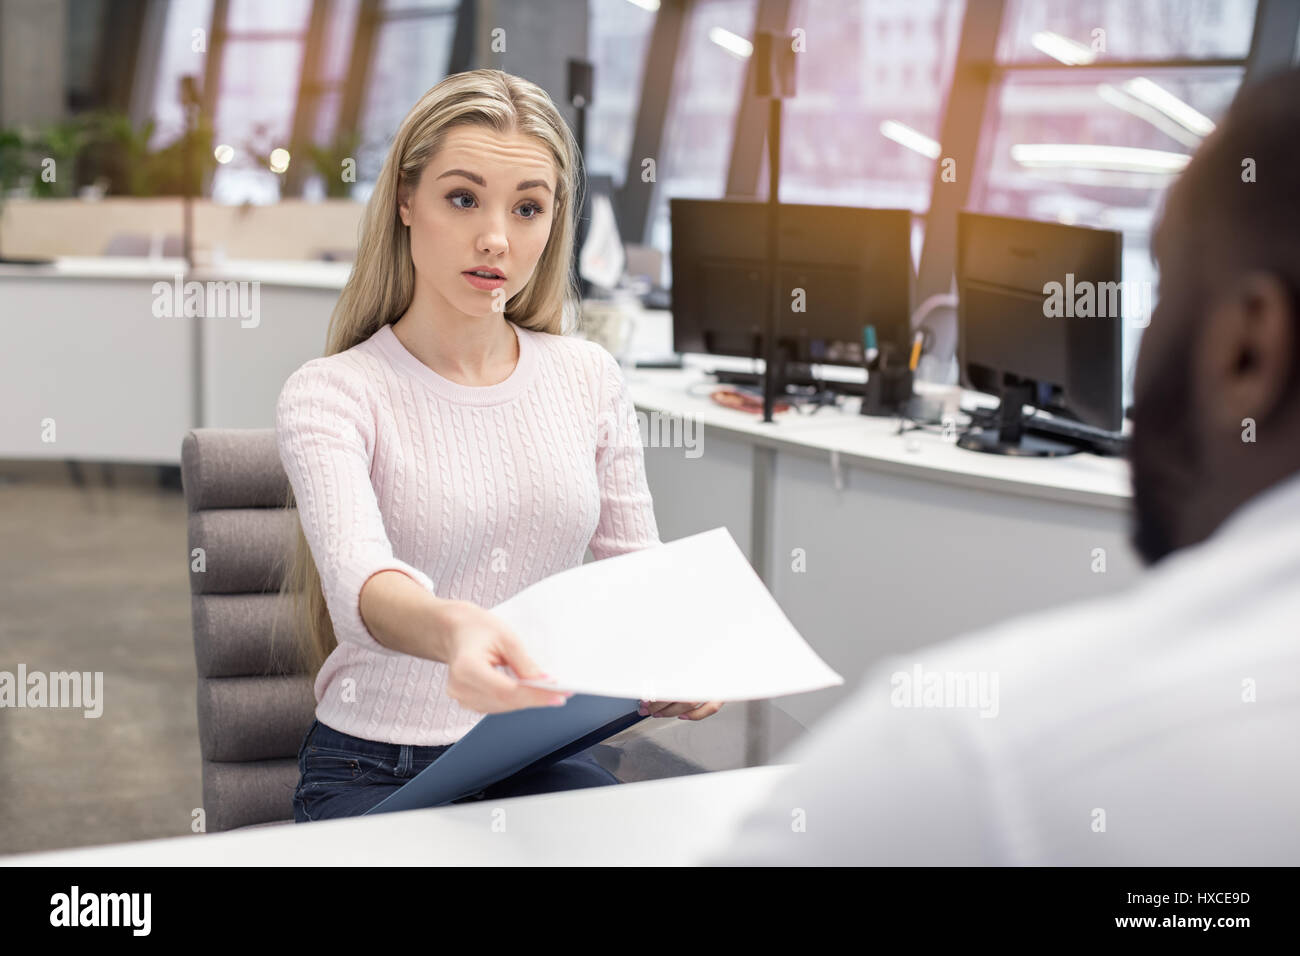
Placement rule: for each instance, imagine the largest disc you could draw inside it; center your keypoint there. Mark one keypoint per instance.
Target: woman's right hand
(478, 642)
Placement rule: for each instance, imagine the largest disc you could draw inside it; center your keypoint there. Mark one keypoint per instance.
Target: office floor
(93, 578)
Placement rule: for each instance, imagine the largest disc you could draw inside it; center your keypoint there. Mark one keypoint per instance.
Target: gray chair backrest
(127, 244)
(253, 710)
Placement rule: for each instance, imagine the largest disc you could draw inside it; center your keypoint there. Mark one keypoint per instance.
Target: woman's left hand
(677, 708)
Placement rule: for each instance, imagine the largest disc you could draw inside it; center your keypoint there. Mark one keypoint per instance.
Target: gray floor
(93, 578)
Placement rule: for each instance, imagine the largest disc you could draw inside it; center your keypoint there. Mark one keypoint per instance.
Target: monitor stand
(1010, 437)
(797, 375)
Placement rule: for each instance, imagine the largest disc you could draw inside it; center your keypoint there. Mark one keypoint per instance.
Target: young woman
(452, 447)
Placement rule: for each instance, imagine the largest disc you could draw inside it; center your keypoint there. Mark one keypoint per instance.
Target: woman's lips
(486, 285)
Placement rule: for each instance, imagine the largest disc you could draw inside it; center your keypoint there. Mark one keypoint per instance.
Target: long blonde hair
(382, 282)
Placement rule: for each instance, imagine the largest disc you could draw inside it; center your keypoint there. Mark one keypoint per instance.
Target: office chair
(169, 246)
(253, 714)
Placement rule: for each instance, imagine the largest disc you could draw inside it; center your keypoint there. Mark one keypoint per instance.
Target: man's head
(1220, 362)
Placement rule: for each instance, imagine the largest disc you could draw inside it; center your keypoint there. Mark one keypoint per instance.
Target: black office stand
(773, 80)
(581, 85)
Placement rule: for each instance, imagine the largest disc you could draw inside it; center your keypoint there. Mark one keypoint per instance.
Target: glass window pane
(701, 120)
(619, 38)
(336, 52)
(874, 75)
(259, 88)
(410, 57)
(1126, 29)
(254, 114)
(282, 15)
(1092, 150)
(442, 6)
(327, 114)
(178, 57)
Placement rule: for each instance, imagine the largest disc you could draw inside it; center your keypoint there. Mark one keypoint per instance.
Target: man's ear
(1246, 352)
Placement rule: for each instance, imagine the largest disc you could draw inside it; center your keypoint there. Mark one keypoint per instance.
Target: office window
(618, 40)
(335, 58)
(411, 55)
(1097, 147)
(260, 71)
(176, 58)
(325, 97)
(870, 90)
(701, 120)
(257, 16)
(1128, 29)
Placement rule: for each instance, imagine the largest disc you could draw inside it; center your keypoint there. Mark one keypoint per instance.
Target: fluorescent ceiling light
(1153, 94)
(651, 5)
(1129, 104)
(1128, 159)
(1068, 51)
(730, 42)
(906, 136)
(1099, 177)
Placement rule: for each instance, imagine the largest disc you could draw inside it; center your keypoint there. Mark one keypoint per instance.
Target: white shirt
(1160, 726)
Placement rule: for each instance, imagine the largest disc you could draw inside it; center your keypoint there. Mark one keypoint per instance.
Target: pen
(916, 350)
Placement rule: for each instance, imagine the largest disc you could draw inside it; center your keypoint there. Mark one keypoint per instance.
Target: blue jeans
(344, 776)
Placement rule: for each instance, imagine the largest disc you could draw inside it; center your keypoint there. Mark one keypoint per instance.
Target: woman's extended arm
(472, 641)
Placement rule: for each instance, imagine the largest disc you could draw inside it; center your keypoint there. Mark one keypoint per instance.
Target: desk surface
(875, 442)
(296, 273)
(671, 822)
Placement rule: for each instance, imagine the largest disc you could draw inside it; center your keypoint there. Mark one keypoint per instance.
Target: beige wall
(291, 229)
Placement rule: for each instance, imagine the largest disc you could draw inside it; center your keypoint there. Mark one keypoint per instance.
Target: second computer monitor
(1040, 315)
(840, 268)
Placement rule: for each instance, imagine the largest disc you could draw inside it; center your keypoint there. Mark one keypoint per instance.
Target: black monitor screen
(1040, 304)
(841, 268)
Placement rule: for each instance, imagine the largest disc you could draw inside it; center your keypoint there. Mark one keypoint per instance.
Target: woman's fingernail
(682, 717)
(558, 700)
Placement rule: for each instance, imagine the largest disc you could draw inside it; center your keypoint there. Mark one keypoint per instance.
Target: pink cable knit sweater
(474, 492)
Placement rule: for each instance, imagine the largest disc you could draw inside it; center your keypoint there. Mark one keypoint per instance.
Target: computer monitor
(840, 268)
(1039, 323)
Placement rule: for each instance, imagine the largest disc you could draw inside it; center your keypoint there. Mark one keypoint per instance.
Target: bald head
(1217, 392)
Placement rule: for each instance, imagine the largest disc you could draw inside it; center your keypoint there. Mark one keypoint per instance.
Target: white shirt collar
(1277, 505)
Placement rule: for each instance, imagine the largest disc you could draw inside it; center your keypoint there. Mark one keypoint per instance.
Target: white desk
(670, 822)
(85, 352)
(875, 543)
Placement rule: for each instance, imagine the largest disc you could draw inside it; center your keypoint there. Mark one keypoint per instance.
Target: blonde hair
(382, 282)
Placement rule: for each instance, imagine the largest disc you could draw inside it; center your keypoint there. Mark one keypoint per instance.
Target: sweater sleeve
(627, 517)
(325, 434)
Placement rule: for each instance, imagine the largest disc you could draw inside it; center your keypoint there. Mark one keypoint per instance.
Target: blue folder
(517, 742)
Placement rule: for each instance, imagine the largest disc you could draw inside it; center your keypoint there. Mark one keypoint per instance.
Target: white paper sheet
(689, 620)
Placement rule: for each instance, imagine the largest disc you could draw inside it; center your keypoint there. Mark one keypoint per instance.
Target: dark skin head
(1223, 346)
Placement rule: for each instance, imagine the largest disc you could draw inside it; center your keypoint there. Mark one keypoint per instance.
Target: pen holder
(888, 389)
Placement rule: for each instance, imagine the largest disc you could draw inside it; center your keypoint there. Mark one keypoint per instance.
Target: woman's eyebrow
(478, 180)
